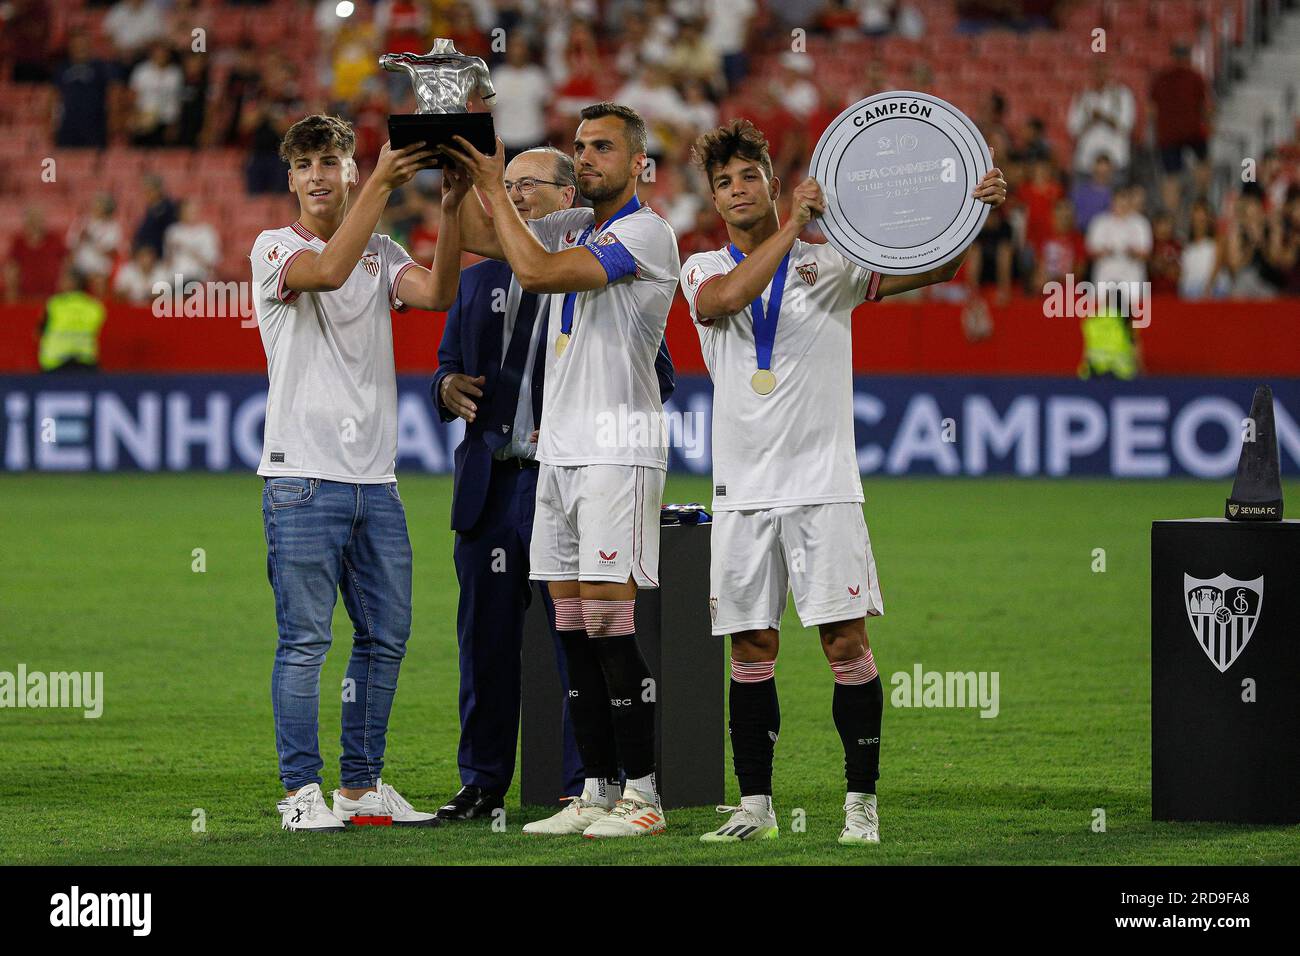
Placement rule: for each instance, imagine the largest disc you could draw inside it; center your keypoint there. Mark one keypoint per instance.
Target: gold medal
(763, 381)
(561, 343)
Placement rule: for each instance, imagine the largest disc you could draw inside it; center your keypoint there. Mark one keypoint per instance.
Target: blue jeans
(323, 537)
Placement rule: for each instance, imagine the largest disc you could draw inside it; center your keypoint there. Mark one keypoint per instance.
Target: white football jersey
(601, 399)
(795, 445)
(331, 406)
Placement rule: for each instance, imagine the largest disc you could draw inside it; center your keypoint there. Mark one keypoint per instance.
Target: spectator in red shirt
(424, 236)
(784, 133)
(464, 32)
(1040, 195)
(1062, 250)
(1165, 264)
(35, 260)
(1182, 111)
(703, 235)
(404, 25)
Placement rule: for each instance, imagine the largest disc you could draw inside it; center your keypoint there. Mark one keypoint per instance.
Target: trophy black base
(1225, 713)
(437, 129)
(1236, 510)
(688, 664)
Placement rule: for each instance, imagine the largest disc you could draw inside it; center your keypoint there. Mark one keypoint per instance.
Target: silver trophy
(443, 80)
(898, 169)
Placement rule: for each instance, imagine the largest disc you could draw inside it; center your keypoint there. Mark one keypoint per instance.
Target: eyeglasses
(528, 185)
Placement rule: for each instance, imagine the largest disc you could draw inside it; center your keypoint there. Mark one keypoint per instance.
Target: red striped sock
(609, 618)
(860, 670)
(746, 672)
(568, 614)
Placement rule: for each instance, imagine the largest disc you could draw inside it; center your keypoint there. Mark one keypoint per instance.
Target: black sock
(632, 706)
(755, 722)
(593, 725)
(857, 709)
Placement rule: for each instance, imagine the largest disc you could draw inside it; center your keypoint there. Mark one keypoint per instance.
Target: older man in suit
(491, 368)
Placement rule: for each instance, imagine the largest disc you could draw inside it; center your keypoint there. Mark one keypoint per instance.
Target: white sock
(758, 804)
(644, 786)
(862, 798)
(601, 791)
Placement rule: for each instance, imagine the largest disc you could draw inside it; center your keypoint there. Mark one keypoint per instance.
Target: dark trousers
(492, 568)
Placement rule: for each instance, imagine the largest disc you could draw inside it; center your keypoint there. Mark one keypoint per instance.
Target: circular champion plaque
(898, 170)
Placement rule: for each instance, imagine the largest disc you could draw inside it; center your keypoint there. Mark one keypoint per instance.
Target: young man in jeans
(333, 519)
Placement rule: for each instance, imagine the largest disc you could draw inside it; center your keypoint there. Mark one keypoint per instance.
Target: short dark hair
(318, 133)
(740, 137)
(633, 124)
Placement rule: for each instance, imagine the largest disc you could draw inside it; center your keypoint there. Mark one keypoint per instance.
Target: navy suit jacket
(471, 345)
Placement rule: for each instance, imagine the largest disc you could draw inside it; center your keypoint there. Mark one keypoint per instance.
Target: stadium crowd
(1094, 194)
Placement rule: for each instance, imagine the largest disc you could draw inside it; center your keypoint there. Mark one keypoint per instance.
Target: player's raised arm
(477, 234)
(329, 269)
(435, 290)
(536, 268)
(992, 190)
(734, 291)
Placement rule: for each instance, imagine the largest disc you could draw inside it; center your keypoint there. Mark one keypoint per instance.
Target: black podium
(687, 662)
(1225, 671)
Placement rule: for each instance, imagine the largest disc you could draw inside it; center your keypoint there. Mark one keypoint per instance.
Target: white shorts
(822, 553)
(597, 523)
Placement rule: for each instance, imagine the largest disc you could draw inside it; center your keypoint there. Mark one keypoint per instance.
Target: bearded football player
(774, 317)
(612, 269)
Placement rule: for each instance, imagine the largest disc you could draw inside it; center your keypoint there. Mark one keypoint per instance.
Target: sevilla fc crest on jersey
(1223, 613)
(371, 263)
(807, 272)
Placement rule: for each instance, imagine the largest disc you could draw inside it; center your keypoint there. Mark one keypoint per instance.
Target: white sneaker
(306, 810)
(743, 825)
(382, 807)
(861, 824)
(634, 815)
(577, 815)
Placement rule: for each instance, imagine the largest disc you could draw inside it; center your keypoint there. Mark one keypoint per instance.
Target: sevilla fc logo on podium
(1223, 612)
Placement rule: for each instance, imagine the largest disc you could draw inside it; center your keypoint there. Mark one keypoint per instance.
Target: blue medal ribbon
(764, 320)
(570, 298)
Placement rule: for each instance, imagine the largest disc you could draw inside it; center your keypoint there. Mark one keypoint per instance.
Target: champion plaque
(898, 170)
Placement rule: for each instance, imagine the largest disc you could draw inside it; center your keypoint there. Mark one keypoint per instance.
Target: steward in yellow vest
(1109, 350)
(70, 331)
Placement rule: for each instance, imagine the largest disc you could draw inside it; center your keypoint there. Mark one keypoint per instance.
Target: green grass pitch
(983, 575)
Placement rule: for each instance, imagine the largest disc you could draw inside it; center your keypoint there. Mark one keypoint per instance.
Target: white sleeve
(1145, 241)
(866, 284)
(1094, 239)
(395, 261)
(1126, 112)
(1077, 115)
(211, 247)
(550, 229)
(647, 240)
(271, 257)
(697, 272)
(859, 284)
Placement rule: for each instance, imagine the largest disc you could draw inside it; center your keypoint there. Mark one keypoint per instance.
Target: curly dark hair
(740, 137)
(318, 133)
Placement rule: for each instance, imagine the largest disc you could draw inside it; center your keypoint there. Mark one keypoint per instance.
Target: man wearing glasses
(491, 367)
